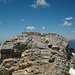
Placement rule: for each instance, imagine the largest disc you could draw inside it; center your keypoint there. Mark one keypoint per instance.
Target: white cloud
(43, 27)
(66, 24)
(72, 31)
(30, 28)
(40, 3)
(69, 18)
(67, 21)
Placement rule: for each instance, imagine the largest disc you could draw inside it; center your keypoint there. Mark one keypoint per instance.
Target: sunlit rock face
(32, 53)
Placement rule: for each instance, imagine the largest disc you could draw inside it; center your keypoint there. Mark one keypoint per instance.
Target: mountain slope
(0, 42)
(72, 43)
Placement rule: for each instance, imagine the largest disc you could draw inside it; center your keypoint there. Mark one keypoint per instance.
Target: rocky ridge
(32, 53)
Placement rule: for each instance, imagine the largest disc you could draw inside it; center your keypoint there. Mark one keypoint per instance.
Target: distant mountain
(72, 43)
(0, 43)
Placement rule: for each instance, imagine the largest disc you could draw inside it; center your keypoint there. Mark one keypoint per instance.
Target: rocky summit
(32, 53)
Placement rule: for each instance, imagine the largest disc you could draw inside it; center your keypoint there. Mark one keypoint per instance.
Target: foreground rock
(32, 53)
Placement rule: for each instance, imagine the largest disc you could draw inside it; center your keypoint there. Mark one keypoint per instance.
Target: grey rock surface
(32, 53)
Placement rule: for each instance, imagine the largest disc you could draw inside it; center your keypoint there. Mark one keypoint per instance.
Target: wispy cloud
(0, 22)
(43, 27)
(66, 23)
(42, 3)
(69, 18)
(22, 21)
(30, 28)
(5, 1)
(72, 31)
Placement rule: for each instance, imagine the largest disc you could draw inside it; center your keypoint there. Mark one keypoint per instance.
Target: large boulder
(32, 53)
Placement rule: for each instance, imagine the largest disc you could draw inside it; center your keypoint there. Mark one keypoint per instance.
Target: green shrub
(71, 49)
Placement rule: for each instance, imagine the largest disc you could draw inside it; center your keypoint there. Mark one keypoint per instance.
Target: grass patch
(32, 33)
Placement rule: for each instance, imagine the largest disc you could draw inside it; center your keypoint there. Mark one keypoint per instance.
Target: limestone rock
(32, 53)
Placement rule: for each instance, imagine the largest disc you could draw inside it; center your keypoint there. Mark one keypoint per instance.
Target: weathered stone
(51, 59)
(8, 65)
(23, 65)
(32, 53)
(55, 47)
(41, 45)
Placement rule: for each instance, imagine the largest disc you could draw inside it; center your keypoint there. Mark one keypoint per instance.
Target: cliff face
(32, 53)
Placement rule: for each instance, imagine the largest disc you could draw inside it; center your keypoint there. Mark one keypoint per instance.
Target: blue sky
(44, 16)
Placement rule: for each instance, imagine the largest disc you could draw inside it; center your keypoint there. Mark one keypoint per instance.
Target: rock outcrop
(32, 53)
